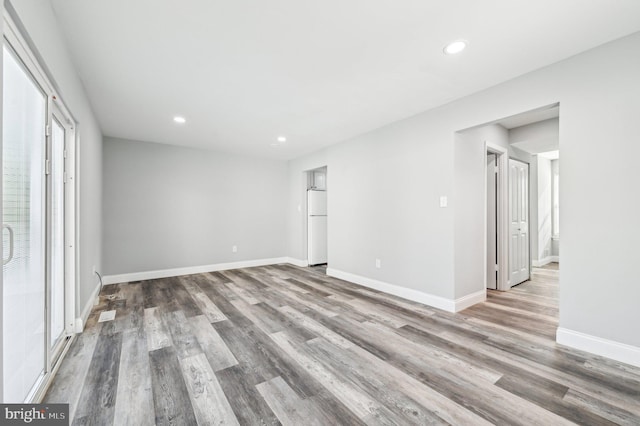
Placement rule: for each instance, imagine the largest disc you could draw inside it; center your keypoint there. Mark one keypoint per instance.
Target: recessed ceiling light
(282, 139)
(179, 120)
(455, 47)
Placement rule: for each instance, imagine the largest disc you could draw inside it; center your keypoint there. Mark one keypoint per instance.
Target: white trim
(464, 302)
(538, 263)
(502, 194)
(42, 391)
(21, 47)
(439, 302)
(545, 261)
(175, 272)
(297, 262)
(599, 346)
(93, 300)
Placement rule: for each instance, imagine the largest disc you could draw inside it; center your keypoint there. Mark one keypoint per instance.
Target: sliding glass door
(37, 273)
(24, 241)
(56, 233)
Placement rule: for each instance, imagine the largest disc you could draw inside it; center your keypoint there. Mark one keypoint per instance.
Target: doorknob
(10, 229)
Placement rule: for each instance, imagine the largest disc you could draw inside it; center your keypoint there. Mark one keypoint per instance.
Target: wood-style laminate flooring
(288, 345)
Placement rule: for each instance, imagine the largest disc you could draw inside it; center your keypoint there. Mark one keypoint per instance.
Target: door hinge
(497, 269)
(64, 153)
(496, 169)
(47, 130)
(47, 167)
(64, 177)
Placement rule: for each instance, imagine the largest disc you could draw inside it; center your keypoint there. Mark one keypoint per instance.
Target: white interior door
(518, 222)
(23, 185)
(492, 240)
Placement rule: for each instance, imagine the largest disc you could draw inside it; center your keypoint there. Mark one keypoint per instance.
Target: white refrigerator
(316, 227)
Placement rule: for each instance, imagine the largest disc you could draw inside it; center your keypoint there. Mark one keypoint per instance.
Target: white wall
(386, 185)
(169, 207)
(41, 26)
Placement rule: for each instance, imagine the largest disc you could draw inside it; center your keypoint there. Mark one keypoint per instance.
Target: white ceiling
(244, 72)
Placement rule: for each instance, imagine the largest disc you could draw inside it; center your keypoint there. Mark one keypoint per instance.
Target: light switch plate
(443, 201)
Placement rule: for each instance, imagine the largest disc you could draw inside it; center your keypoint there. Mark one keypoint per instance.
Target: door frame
(502, 213)
(59, 113)
(11, 34)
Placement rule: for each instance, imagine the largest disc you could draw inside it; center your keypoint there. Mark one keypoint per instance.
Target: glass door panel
(57, 232)
(23, 132)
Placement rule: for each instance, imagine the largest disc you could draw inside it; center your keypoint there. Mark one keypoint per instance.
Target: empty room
(328, 213)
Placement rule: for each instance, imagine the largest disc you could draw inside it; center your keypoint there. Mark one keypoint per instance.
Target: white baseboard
(464, 302)
(93, 300)
(599, 346)
(545, 261)
(439, 302)
(297, 262)
(175, 272)
(538, 263)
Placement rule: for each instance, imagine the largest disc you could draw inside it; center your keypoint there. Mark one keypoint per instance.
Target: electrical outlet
(378, 263)
(234, 249)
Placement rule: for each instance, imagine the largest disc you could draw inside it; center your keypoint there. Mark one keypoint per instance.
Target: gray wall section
(171, 207)
(42, 28)
(383, 203)
(469, 163)
(469, 168)
(385, 187)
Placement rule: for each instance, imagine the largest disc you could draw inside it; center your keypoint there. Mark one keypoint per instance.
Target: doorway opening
(532, 182)
(317, 218)
(546, 253)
